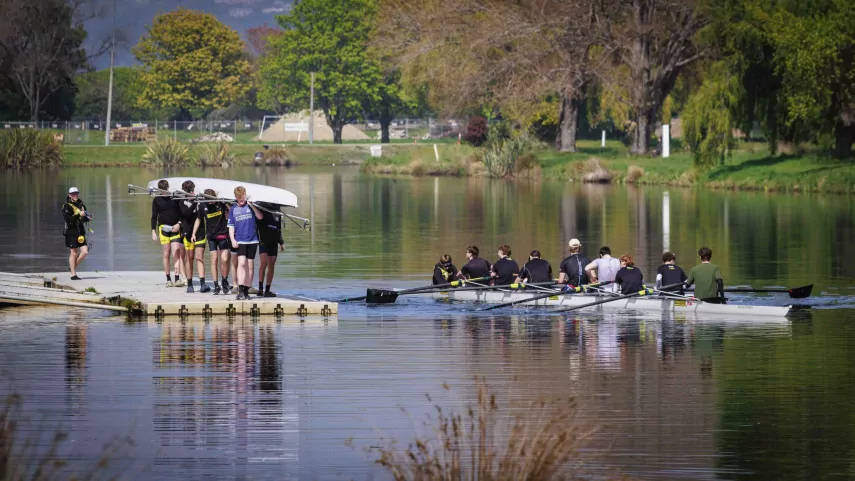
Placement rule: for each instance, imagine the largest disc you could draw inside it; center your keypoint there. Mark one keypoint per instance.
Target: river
(669, 398)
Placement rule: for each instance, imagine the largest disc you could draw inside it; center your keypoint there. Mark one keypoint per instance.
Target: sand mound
(277, 132)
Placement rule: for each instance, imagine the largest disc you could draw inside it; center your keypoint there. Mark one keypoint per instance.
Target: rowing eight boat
(648, 304)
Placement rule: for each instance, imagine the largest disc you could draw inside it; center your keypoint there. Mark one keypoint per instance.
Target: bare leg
(234, 265)
(200, 261)
(240, 273)
(84, 251)
(165, 249)
(271, 264)
(262, 266)
(72, 262)
(215, 271)
(178, 255)
(225, 262)
(250, 271)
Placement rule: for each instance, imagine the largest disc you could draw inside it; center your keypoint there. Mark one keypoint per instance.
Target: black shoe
(247, 297)
(190, 289)
(216, 289)
(75, 278)
(205, 288)
(226, 287)
(269, 294)
(240, 296)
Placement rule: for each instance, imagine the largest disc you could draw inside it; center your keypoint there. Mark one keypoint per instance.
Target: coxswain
(604, 269)
(629, 277)
(166, 227)
(669, 273)
(444, 271)
(270, 244)
(536, 270)
(572, 269)
(193, 238)
(506, 270)
(215, 217)
(476, 266)
(706, 276)
(243, 234)
(76, 217)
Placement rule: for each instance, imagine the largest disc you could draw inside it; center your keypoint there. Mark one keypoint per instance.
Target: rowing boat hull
(225, 189)
(647, 304)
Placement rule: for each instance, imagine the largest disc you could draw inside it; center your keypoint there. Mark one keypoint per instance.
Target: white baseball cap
(574, 243)
(73, 190)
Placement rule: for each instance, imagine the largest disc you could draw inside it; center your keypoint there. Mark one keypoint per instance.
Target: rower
(444, 271)
(669, 273)
(476, 267)
(165, 226)
(572, 269)
(215, 216)
(629, 277)
(706, 276)
(270, 241)
(194, 244)
(535, 270)
(75, 216)
(604, 269)
(505, 270)
(243, 234)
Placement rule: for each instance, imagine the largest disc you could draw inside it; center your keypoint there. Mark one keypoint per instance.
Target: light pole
(110, 88)
(312, 111)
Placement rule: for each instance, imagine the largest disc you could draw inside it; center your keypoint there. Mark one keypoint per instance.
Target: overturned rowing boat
(664, 304)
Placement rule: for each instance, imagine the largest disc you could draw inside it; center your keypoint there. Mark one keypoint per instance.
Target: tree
(650, 43)
(191, 62)
(40, 49)
(330, 39)
(509, 53)
(258, 39)
(92, 90)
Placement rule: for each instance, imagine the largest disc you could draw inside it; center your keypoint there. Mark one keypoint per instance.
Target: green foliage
(166, 153)
(219, 154)
(193, 63)
(93, 89)
(708, 120)
(501, 156)
(330, 39)
(29, 148)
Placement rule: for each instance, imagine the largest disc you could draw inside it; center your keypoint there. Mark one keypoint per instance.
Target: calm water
(672, 398)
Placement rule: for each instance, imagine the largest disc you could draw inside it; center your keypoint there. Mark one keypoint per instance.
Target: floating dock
(145, 294)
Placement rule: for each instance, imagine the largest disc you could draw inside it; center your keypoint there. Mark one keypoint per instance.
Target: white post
(666, 141)
(603, 142)
(666, 221)
(110, 88)
(110, 237)
(436, 152)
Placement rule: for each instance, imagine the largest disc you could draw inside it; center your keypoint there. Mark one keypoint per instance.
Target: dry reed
(494, 441)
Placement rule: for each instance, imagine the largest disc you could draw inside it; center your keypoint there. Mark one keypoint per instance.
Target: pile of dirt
(216, 137)
(322, 131)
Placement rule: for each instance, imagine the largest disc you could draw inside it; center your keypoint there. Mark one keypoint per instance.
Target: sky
(133, 16)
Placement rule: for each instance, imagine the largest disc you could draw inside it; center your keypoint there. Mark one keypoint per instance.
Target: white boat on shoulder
(653, 303)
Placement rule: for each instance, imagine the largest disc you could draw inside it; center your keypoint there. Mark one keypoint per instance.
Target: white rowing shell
(225, 189)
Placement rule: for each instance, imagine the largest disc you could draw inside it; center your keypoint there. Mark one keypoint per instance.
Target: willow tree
(650, 42)
(506, 53)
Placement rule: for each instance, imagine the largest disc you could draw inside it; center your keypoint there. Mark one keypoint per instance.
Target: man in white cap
(75, 216)
(572, 270)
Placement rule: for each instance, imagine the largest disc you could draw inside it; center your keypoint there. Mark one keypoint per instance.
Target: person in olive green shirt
(706, 276)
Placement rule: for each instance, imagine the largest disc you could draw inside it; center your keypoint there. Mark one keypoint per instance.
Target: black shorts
(271, 249)
(247, 250)
(72, 241)
(218, 244)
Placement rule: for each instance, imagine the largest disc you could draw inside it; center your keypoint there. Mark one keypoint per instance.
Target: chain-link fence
(92, 132)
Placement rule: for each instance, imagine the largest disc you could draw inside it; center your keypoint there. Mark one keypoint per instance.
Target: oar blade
(380, 296)
(801, 292)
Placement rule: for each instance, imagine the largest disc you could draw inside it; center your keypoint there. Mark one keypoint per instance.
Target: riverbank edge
(749, 169)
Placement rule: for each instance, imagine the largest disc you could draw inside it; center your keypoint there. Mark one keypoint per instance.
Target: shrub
(476, 131)
(218, 154)
(633, 173)
(29, 148)
(492, 440)
(276, 155)
(167, 152)
(500, 157)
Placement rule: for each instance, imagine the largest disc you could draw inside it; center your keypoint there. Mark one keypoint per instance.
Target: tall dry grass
(28, 460)
(492, 440)
(29, 148)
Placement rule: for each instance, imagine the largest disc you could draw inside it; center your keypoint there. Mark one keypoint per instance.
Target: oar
(536, 285)
(644, 292)
(388, 296)
(544, 296)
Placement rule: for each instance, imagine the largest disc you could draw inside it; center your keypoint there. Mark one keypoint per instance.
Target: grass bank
(751, 167)
(124, 155)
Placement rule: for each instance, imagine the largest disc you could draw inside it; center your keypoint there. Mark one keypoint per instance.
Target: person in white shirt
(604, 269)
